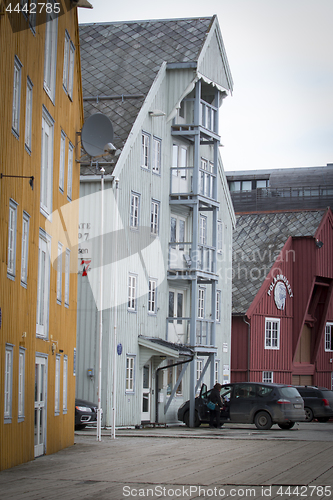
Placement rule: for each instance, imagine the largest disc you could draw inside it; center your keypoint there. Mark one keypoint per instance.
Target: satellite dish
(97, 134)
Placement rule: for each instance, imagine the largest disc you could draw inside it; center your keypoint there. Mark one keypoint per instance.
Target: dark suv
(318, 402)
(250, 402)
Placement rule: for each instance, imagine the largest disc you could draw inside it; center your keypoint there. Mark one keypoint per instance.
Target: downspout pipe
(248, 347)
(156, 383)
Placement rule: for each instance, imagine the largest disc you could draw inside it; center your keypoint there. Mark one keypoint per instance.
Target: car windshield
(290, 392)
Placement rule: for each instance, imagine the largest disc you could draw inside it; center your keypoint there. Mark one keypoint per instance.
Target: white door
(40, 405)
(180, 176)
(146, 393)
(177, 327)
(179, 252)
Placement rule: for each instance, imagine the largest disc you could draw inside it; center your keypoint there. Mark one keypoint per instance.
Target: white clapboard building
(155, 245)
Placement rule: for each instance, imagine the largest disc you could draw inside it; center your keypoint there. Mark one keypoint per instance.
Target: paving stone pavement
(180, 463)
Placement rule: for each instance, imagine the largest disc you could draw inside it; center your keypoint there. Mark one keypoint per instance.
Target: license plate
(297, 406)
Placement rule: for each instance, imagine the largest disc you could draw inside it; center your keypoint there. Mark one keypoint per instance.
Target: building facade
(166, 307)
(41, 113)
(282, 322)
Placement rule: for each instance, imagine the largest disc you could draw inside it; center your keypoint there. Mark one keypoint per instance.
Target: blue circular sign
(119, 349)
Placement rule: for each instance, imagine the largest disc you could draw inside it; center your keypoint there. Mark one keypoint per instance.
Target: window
(172, 374)
(57, 385)
(70, 172)
(50, 58)
(328, 337)
(59, 274)
(199, 369)
(46, 164)
(21, 382)
(25, 248)
(68, 71)
(131, 305)
(130, 364)
(135, 208)
(12, 223)
(67, 275)
(156, 155)
(64, 384)
(219, 237)
(202, 230)
(154, 217)
(62, 161)
(267, 377)
(216, 371)
(43, 290)
(218, 306)
(201, 303)
(272, 333)
(152, 296)
(145, 145)
(8, 383)
(28, 115)
(16, 97)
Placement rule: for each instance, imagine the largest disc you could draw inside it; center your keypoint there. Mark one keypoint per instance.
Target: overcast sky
(280, 54)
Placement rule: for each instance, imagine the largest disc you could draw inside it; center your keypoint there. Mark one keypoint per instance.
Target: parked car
(85, 413)
(250, 402)
(318, 402)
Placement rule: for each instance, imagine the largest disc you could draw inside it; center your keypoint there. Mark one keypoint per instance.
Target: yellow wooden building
(41, 113)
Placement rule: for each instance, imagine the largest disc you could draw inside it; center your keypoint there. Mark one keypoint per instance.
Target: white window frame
(199, 366)
(272, 339)
(67, 275)
(154, 217)
(57, 385)
(62, 162)
(157, 155)
(50, 55)
(152, 296)
(219, 236)
(8, 388)
(64, 384)
(267, 377)
(145, 150)
(66, 62)
(12, 230)
(132, 292)
(218, 306)
(130, 374)
(71, 69)
(135, 210)
(70, 172)
(329, 337)
(28, 116)
(21, 384)
(202, 230)
(16, 97)
(217, 371)
(43, 285)
(201, 302)
(59, 273)
(46, 178)
(25, 249)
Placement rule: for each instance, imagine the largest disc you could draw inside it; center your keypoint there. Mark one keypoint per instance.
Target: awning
(151, 346)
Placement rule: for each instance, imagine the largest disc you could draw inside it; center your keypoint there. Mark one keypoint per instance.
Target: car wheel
(196, 419)
(263, 421)
(80, 427)
(323, 419)
(308, 414)
(287, 425)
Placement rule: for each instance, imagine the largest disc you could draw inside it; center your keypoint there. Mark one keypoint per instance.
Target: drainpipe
(156, 378)
(248, 347)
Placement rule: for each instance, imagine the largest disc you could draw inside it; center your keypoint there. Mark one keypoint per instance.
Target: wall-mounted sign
(280, 285)
(119, 349)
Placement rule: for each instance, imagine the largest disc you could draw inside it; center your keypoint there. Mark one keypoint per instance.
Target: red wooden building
(282, 324)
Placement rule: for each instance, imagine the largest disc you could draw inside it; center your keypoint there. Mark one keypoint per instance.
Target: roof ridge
(111, 23)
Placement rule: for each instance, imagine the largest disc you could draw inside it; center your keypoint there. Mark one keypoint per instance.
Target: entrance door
(146, 392)
(179, 252)
(177, 327)
(40, 405)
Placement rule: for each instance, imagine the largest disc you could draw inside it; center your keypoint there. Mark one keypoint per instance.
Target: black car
(318, 402)
(85, 413)
(250, 402)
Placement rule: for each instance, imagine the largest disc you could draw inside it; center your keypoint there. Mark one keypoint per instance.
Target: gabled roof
(257, 241)
(123, 59)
